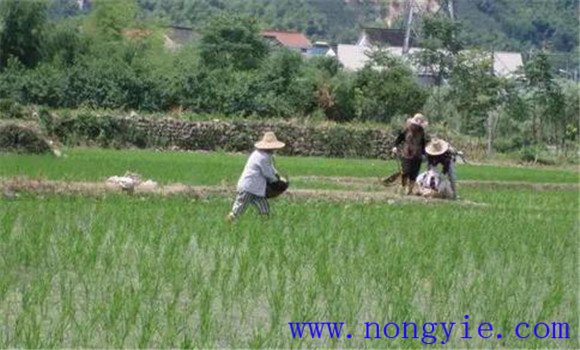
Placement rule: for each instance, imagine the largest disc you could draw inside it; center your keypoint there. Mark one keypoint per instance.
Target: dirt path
(358, 181)
(10, 188)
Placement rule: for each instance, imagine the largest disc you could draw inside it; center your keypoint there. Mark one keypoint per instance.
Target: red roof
(288, 39)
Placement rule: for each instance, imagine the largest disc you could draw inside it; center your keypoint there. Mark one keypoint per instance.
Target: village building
(295, 41)
(355, 57)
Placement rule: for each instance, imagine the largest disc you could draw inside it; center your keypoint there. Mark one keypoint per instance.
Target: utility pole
(409, 4)
(450, 9)
(492, 114)
(492, 68)
(413, 8)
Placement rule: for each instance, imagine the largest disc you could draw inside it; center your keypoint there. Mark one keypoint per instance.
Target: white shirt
(431, 176)
(257, 172)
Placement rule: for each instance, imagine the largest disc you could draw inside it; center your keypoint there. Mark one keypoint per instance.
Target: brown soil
(472, 183)
(11, 186)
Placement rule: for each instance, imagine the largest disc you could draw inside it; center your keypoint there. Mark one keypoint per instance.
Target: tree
(231, 40)
(477, 93)
(546, 94)
(336, 97)
(59, 9)
(440, 45)
(64, 42)
(569, 118)
(109, 18)
(386, 87)
(21, 31)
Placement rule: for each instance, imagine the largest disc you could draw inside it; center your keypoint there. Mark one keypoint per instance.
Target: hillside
(506, 24)
(515, 25)
(521, 24)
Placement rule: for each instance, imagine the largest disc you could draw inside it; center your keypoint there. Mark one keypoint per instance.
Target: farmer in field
(258, 172)
(434, 185)
(410, 144)
(440, 152)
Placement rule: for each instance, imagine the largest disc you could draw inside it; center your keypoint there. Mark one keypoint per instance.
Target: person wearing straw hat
(412, 142)
(433, 185)
(440, 152)
(258, 172)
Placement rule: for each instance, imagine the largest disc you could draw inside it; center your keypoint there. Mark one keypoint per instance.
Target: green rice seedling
(217, 168)
(131, 271)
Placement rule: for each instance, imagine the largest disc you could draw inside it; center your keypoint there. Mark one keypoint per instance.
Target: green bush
(11, 80)
(337, 99)
(99, 83)
(46, 120)
(44, 85)
(536, 154)
(10, 109)
(104, 131)
(15, 138)
(508, 145)
(385, 93)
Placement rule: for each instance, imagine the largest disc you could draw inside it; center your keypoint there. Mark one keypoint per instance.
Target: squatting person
(413, 140)
(440, 152)
(258, 171)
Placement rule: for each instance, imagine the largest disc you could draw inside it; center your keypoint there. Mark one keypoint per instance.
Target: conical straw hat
(418, 119)
(436, 147)
(269, 141)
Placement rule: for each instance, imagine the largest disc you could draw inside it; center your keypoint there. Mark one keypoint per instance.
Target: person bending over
(440, 152)
(258, 171)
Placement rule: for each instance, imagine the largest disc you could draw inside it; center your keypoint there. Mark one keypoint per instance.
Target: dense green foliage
(524, 26)
(232, 41)
(440, 43)
(507, 24)
(478, 102)
(521, 24)
(318, 19)
(14, 138)
(21, 26)
(112, 58)
(111, 64)
(389, 92)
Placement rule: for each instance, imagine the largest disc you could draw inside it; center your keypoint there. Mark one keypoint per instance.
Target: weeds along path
(11, 186)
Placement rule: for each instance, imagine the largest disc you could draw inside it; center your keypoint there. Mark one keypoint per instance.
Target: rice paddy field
(150, 271)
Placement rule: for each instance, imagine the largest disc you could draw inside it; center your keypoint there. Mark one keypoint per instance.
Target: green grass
(213, 168)
(119, 271)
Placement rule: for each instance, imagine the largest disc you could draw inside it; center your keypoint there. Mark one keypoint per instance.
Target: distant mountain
(518, 25)
(503, 24)
(521, 24)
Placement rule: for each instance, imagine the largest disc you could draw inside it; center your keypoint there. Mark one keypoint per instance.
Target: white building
(354, 57)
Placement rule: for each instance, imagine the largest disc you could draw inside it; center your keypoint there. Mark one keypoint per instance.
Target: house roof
(506, 63)
(321, 48)
(181, 35)
(288, 39)
(383, 36)
(318, 50)
(352, 57)
(355, 57)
